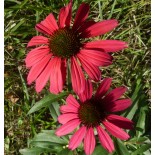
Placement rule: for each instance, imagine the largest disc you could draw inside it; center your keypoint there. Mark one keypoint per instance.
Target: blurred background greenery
(131, 67)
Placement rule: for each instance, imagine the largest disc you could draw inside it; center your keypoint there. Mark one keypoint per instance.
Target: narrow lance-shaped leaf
(52, 138)
(54, 110)
(140, 128)
(130, 112)
(121, 148)
(31, 151)
(46, 101)
(142, 149)
(100, 150)
(65, 151)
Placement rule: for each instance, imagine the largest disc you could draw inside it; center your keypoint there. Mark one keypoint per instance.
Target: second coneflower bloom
(95, 112)
(63, 42)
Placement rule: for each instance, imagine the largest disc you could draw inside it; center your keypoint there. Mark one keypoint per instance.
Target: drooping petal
(105, 139)
(51, 22)
(77, 77)
(99, 28)
(64, 118)
(71, 101)
(69, 17)
(114, 94)
(120, 121)
(81, 15)
(77, 138)
(43, 29)
(56, 81)
(62, 16)
(85, 25)
(47, 26)
(37, 40)
(68, 127)
(118, 105)
(96, 57)
(103, 88)
(68, 109)
(89, 141)
(43, 77)
(106, 45)
(116, 131)
(36, 55)
(38, 68)
(92, 70)
(87, 94)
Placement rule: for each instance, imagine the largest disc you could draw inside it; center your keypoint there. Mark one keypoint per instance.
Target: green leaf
(46, 101)
(142, 149)
(52, 138)
(54, 110)
(21, 22)
(140, 128)
(65, 152)
(100, 150)
(31, 151)
(47, 146)
(121, 148)
(52, 132)
(138, 140)
(130, 112)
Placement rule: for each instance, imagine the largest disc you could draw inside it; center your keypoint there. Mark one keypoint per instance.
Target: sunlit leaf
(47, 101)
(142, 149)
(31, 151)
(54, 110)
(121, 148)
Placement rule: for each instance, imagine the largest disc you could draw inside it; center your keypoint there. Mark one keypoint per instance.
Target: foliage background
(131, 67)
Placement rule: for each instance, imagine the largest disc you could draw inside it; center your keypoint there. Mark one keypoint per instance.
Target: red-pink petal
(118, 105)
(71, 101)
(116, 131)
(51, 22)
(77, 138)
(47, 26)
(36, 55)
(62, 16)
(105, 139)
(38, 68)
(120, 121)
(106, 45)
(77, 77)
(87, 94)
(68, 127)
(68, 109)
(85, 25)
(43, 77)
(92, 70)
(89, 141)
(97, 58)
(64, 118)
(43, 29)
(56, 81)
(37, 40)
(114, 94)
(81, 15)
(68, 19)
(103, 88)
(99, 28)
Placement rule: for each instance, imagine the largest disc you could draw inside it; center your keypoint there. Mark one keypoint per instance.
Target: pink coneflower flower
(65, 42)
(95, 112)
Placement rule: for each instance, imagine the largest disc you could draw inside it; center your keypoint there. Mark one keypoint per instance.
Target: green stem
(69, 84)
(75, 152)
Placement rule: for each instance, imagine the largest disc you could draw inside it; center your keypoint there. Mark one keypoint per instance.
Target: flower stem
(69, 85)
